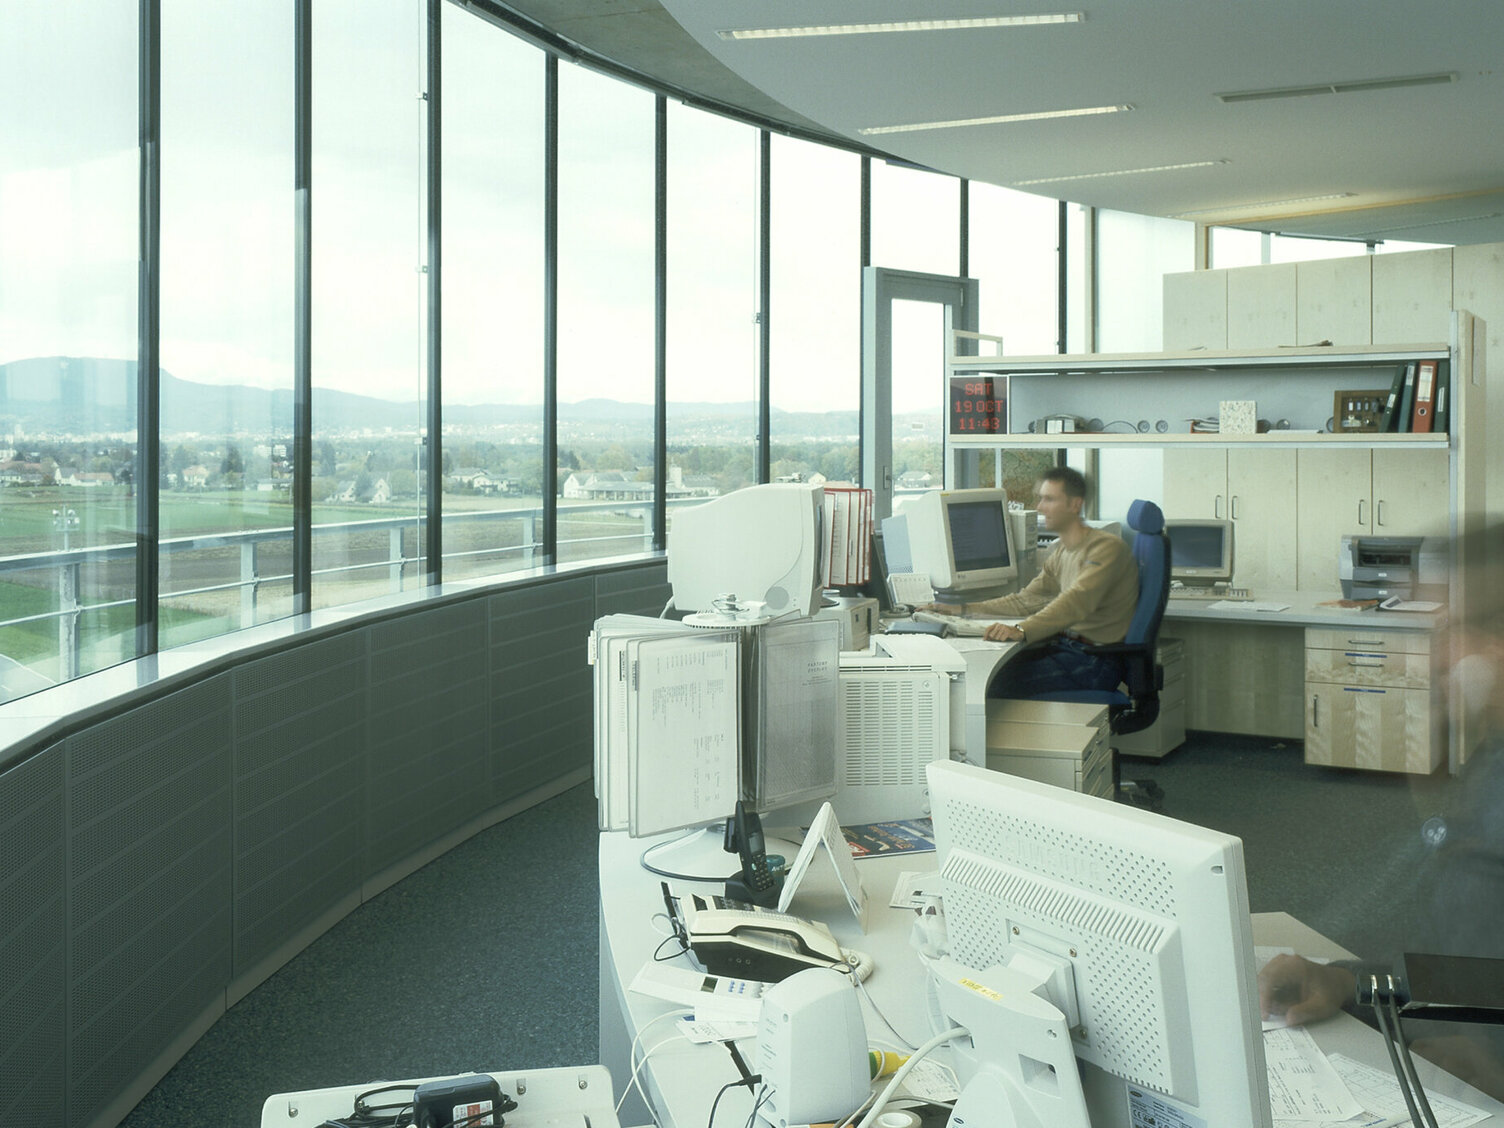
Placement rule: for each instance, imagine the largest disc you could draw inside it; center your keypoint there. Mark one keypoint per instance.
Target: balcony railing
(399, 565)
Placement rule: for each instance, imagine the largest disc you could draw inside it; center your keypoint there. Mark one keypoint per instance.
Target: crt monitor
(962, 539)
(1200, 551)
(1132, 931)
(762, 544)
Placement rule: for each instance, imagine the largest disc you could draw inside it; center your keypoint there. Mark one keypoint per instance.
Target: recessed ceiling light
(1040, 20)
(1354, 86)
(1119, 172)
(1259, 204)
(961, 123)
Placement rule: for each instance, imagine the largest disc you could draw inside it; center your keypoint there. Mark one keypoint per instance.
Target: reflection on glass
(68, 221)
(606, 310)
(712, 300)
(815, 312)
(918, 397)
(916, 219)
(369, 298)
(226, 319)
(493, 298)
(1014, 258)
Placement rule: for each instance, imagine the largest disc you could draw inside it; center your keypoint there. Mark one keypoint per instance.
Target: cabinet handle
(1371, 665)
(1361, 520)
(1217, 507)
(1378, 512)
(1315, 701)
(1365, 642)
(1234, 507)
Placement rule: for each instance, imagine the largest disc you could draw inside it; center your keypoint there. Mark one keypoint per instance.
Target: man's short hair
(1068, 478)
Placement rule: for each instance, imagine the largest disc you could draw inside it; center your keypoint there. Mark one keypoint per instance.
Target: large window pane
(712, 300)
(815, 312)
(493, 297)
(1134, 253)
(1014, 257)
(606, 310)
(226, 318)
(369, 297)
(916, 219)
(68, 247)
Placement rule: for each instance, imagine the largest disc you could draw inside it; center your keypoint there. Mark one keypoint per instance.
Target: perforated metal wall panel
(541, 695)
(33, 925)
(300, 748)
(429, 727)
(149, 819)
(633, 591)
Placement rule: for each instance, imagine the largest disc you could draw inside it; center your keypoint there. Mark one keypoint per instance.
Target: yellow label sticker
(973, 985)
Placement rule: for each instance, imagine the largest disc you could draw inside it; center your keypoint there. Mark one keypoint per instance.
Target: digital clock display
(978, 406)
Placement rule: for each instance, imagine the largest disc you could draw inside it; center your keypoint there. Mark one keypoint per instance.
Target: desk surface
(683, 1079)
(1305, 610)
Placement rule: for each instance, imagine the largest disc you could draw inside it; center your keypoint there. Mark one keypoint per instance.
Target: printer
(1379, 567)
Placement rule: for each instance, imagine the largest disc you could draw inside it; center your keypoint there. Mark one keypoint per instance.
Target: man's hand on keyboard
(1003, 632)
(942, 608)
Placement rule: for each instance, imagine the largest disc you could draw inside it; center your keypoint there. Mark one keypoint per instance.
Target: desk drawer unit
(1073, 756)
(1372, 701)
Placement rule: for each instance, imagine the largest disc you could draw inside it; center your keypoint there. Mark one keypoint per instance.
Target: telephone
(755, 881)
(751, 943)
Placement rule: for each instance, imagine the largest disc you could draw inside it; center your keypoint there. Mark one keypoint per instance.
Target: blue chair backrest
(1151, 548)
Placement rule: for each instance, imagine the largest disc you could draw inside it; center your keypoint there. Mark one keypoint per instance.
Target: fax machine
(1380, 567)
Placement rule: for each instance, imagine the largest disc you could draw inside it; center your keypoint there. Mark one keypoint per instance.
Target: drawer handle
(1368, 665)
(1365, 642)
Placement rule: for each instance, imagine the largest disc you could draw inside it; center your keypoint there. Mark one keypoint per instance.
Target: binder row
(1418, 398)
(848, 527)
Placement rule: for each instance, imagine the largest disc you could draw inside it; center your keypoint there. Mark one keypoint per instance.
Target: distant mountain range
(87, 395)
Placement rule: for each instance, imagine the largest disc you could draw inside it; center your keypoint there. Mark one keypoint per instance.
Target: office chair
(1135, 705)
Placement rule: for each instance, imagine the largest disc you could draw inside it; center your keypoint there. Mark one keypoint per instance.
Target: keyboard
(1211, 595)
(959, 625)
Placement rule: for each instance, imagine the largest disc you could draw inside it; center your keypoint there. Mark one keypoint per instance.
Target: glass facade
(229, 333)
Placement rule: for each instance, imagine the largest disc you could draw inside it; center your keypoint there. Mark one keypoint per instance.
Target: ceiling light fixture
(1000, 119)
(1040, 20)
(1356, 86)
(1260, 204)
(1118, 172)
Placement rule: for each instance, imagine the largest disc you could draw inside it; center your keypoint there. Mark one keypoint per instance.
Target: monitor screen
(1128, 930)
(1200, 551)
(961, 539)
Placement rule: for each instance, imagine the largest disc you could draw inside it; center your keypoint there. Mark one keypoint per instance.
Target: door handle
(1234, 510)
(1217, 507)
(1361, 520)
(1315, 701)
(1378, 512)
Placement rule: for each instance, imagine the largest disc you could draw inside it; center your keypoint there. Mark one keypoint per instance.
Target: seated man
(1085, 593)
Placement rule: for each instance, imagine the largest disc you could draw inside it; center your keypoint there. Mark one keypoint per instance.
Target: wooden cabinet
(1382, 491)
(1372, 701)
(1252, 488)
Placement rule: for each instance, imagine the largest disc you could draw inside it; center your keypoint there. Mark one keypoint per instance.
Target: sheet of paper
(686, 728)
(825, 834)
(1303, 1085)
(1380, 1095)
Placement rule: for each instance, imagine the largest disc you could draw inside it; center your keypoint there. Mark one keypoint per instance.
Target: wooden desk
(1246, 670)
(682, 1079)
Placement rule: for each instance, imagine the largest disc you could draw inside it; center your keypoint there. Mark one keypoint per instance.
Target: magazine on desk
(903, 836)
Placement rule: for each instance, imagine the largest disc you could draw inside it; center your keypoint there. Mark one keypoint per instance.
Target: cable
(643, 860)
(1409, 1062)
(1382, 1014)
(710, 1123)
(906, 1068)
(862, 990)
(637, 1065)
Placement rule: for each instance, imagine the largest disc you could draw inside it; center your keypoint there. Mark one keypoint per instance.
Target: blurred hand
(941, 608)
(1303, 991)
(1003, 632)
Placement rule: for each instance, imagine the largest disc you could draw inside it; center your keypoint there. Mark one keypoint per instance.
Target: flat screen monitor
(1134, 929)
(962, 539)
(1200, 551)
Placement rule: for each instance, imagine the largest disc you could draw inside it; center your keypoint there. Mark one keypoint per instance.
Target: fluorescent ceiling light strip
(1265, 204)
(1118, 172)
(1040, 20)
(1354, 86)
(1433, 223)
(961, 123)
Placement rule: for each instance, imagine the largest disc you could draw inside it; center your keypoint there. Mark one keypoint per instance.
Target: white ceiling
(1421, 163)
